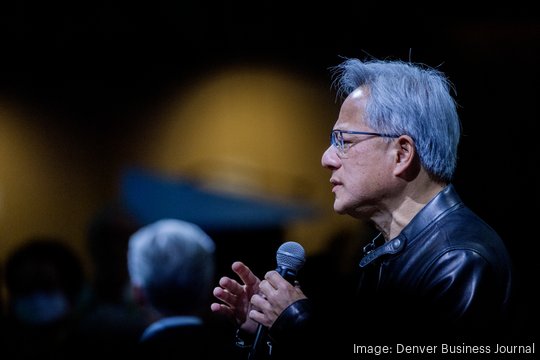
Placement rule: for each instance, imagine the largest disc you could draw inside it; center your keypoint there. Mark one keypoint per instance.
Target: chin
(340, 209)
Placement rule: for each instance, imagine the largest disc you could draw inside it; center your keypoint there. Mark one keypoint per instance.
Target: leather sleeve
(293, 323)
(462, 283)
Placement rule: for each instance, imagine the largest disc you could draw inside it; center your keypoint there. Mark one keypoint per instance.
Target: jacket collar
(436, 208)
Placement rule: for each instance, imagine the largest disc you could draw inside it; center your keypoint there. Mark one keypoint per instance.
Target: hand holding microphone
(276, 291)
(254, 305)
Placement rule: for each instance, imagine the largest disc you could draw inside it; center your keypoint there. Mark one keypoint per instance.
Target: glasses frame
(336, 138)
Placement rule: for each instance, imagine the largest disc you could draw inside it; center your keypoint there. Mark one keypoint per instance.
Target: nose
(329, 159)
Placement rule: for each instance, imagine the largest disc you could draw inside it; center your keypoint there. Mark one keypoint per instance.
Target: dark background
(93, 63)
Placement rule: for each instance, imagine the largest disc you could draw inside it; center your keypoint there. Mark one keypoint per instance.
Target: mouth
(335, 184)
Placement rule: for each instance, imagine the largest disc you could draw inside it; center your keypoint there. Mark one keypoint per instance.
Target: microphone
(290, 258)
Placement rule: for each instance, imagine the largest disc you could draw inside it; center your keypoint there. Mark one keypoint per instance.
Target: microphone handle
(262, 330)
(260, 336)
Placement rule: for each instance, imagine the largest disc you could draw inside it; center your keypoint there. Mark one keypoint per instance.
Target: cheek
(365, 177)
(355, 180)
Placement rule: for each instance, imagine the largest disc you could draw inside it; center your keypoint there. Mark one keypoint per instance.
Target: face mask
(41, 308)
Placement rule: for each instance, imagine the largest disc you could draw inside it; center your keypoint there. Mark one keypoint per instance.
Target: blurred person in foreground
(171, 266)
(44, 281)
(111, 322)
(435, 272)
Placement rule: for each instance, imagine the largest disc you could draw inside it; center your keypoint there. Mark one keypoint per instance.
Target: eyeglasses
(343, 145)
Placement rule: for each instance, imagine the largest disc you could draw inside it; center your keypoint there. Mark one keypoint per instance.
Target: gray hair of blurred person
(408, 99)
(172, 262)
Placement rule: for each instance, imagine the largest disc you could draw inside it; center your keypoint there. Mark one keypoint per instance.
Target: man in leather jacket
(436, 272)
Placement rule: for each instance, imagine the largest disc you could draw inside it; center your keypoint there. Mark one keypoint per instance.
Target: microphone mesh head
(291, 255)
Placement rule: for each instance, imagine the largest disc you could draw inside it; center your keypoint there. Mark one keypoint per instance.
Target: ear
(405, 157)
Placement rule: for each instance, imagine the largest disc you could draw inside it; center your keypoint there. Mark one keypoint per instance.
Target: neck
(401, 210)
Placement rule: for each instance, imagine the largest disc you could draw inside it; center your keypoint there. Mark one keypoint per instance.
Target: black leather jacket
(447, 274)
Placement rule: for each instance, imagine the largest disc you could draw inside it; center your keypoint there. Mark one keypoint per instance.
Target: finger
(262, 311)
(266, 289)
(277, 281)
(231, 285)
(222, 310)
(225, 296)
(258, 317)
(245, 274)
(259, 303)
(259, 307)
